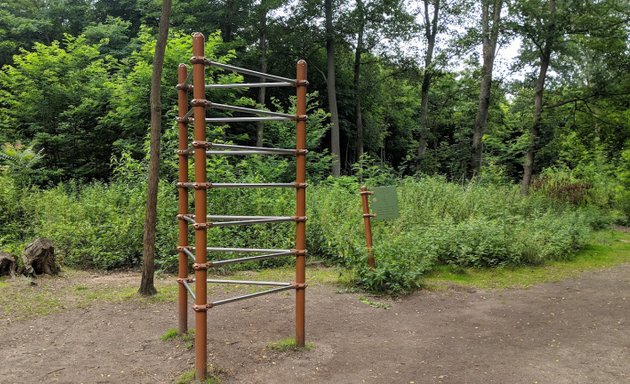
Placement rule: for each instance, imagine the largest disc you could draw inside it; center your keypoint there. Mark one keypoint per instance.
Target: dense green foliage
(76, 75)
(474, 225)
(74, 119)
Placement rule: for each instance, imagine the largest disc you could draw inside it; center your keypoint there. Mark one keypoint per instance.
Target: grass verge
(604, 249)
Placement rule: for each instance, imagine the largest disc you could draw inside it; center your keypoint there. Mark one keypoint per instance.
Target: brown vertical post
(300, 206)
(182, 133)
(368, 224)
(201, 301)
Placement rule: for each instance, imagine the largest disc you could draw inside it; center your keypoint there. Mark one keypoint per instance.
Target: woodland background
(497, 162)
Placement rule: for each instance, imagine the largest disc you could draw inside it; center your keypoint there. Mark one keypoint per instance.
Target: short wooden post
(368, 225)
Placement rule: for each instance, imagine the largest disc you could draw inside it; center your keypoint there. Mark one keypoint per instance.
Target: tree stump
(39, 257)
(7, 264)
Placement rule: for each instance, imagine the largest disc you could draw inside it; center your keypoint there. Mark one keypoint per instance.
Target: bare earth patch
(572, 331)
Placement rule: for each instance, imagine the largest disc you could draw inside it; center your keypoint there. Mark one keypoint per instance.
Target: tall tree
(360, 11)
(431, 16)
(147, 286)
(262, 14)
(262, 47)
(553, 31)
(490, 23)
(545, 39)
(331, 87)
(74, 80)
(374, 23)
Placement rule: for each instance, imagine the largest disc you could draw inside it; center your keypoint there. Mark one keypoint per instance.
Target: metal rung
(254, 185)
(191, 216)
(248, 152)
(247, 147)
(249, 72)
(246, 250)
(244, 149)
(250, 85)
(244, 119)
(253, 221)
(273, 253)
(250, 282)
(189, 289)
(251, 258)
(243, 185)
(249, 110)
(251, 295)
(226, 217)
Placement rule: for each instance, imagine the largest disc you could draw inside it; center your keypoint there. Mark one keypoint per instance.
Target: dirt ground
(574, 331)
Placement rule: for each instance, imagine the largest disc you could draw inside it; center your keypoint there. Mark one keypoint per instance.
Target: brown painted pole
(368, 225)
(201, 300)
(300, 206)
(182, 133)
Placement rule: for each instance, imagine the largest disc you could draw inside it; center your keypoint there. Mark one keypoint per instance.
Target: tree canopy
(75, 78)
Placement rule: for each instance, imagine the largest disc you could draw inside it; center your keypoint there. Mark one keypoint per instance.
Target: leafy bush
(13, 228)
(474, 225)
(93, 226)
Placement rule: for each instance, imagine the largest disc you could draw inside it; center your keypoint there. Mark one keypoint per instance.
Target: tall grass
(470, 225)
(473, 225)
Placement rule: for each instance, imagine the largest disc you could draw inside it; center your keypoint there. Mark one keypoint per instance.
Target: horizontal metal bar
(253, 185)
(254, 111)
(189, 218)
(232, 217)
(226, 217)
(244, 153)
(189, 289)
(251, 258)
(252, 221)
(242, 185)
(249, 72)
(251, 85)
(244, 119)
(249, 282)
(251, 295)
(247, 147)
(247, 250)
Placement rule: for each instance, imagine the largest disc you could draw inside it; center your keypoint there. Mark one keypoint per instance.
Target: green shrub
(14, 229)
(473, 225)
(399, 267)
(93, 226)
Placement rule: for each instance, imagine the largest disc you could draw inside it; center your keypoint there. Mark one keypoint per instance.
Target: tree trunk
(262, 45)
(335, 146)
(430, 32)
(39, 257)
(357, 82)
(490, 36)
(226, 24)
(534, 132)
(147, 286)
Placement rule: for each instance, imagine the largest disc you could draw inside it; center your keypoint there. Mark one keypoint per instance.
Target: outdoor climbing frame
(201, 221)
